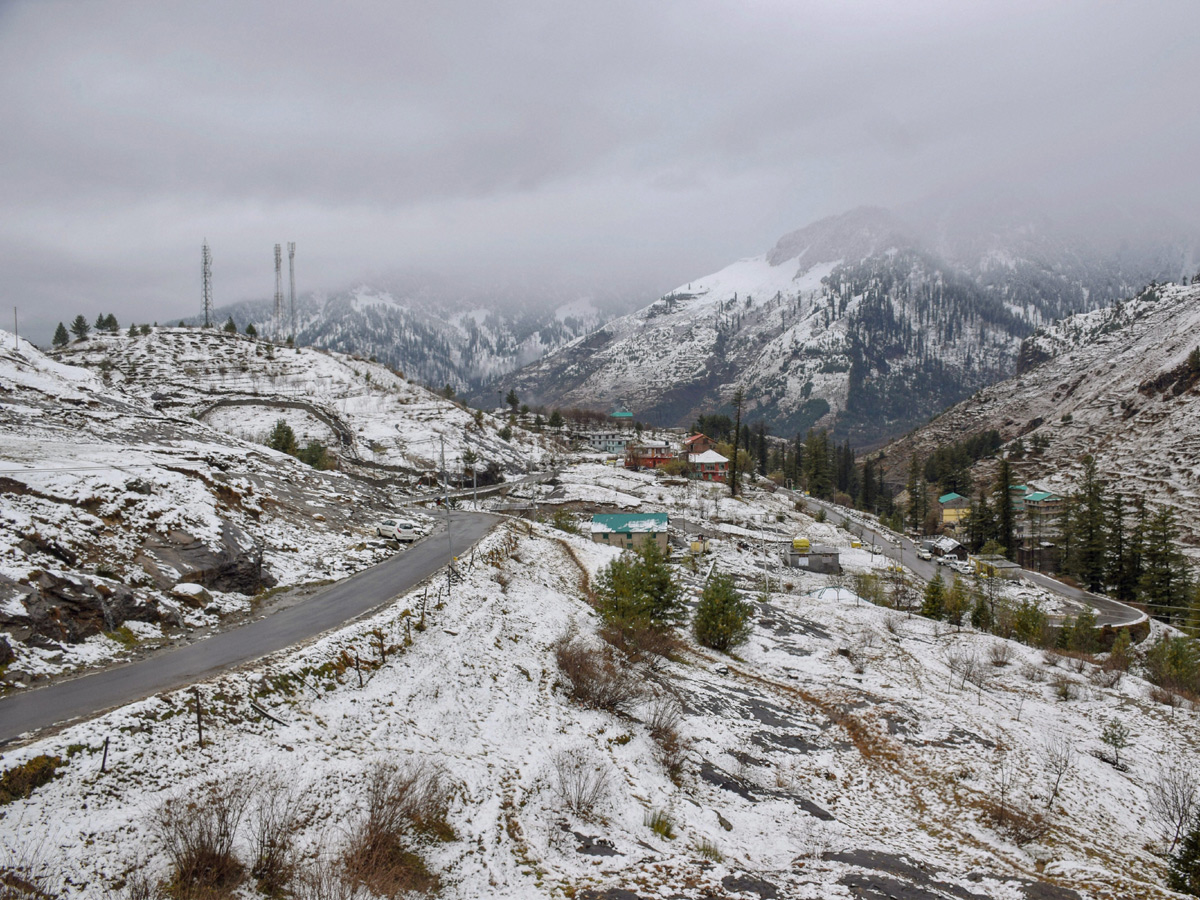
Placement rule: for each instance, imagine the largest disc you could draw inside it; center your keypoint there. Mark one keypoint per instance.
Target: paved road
(329, 608)
(1108, 611)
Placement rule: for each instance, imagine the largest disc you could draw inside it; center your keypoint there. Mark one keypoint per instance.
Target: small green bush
(20, 781)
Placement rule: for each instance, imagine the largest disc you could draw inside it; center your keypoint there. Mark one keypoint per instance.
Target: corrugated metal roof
(629, 523)
(946, 498)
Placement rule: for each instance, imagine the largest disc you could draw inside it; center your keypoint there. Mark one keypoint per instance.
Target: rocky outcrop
(59, 609)
(234, 564)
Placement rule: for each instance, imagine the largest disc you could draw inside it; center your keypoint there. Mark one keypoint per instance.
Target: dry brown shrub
(580, 781)
(663, 718)
(273, 821)
(1104, 677)
(399, 802)
(598, 677)
(642, 644)
(1000, 653)
(1021, 826)
(198, 831)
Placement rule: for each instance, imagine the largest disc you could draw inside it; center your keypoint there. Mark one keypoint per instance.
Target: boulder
(191, 594)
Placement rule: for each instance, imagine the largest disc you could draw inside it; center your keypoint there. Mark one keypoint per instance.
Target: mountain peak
(851, 236)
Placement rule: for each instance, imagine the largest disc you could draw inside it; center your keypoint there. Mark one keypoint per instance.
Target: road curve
(1108, 611)
(339, 603)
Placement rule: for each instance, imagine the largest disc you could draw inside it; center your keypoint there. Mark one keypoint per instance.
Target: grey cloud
(642, 143)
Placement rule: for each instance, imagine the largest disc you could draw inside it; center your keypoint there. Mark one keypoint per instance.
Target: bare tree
(1174, 796)
(1058, 756)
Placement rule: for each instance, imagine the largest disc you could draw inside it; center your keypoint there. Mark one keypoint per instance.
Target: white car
(398, 530)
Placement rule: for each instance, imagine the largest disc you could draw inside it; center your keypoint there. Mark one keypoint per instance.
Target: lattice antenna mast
(278, 287)
(292, 285)
(206, 278)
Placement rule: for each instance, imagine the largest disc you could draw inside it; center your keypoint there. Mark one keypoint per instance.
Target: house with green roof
(955, 508)
(629, 531)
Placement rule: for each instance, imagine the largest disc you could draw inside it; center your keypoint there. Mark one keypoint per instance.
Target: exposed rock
(60, 609)
(191, 594)
(6, 652)
(235, 564)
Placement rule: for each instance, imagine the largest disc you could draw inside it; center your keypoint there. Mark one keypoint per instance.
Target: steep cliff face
(858, 322)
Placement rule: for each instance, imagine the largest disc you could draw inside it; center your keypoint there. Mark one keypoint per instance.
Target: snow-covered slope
(855, 322)
(838, 756)
(372, 417)
(1114, 383)
(108, 505)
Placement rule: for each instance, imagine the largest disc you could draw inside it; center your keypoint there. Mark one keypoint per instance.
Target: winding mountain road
(335, 605)
(1108, 611)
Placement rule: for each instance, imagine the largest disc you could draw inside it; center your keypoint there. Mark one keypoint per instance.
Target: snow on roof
(946, 544)
(627, 523)
(1038, 496)
(708, 456)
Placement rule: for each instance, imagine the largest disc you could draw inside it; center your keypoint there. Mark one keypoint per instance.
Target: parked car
(399, 530)
(924, 554)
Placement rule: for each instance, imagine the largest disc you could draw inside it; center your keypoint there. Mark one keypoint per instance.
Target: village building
(994, 565)
(708, 466)
(955, 509)
(948, 547)
(698, 444)
(629, 531)
(649, 454)
(614, 442)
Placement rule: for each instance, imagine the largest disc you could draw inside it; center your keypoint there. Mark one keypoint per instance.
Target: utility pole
(206, 279)
(278, 289)
(446, 503)
(292, 286)
(16, 337)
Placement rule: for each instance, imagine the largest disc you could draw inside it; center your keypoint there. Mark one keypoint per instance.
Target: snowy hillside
(374, 419)
(432, 333)
(856, 322)
(122, 526)
(840, 754)
(1114, 383)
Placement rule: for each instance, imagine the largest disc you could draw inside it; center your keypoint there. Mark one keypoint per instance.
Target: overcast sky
(624, 144)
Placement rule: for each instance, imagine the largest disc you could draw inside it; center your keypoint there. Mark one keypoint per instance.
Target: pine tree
(958, 601)
(556, 419)
(283, 438)
(734, 472)
(934, 605)
(1005, 526)
(251, 330)
(80, 328)
(101, 322)
(981, 523)
(1164, 584)
(722, 619)
(61, 338)
(230, 326)
(110, 324)
(1184, 874)
(981, 612)
(512, 399)
(1088, 558)
(133, 331)
(638, 591)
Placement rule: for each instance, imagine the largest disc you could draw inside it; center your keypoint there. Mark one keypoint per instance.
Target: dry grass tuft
(198, 831)
(580, 781)
(598, 677)
(399, 802)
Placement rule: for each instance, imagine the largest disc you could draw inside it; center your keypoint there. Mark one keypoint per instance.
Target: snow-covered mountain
(433, 332)
(864, 322)
(1115, 383)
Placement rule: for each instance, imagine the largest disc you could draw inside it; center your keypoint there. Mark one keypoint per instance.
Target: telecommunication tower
(206, 277)
(292, 286)
(278, 287)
